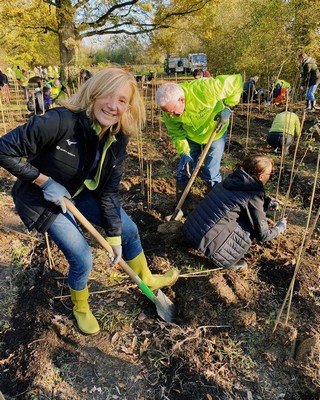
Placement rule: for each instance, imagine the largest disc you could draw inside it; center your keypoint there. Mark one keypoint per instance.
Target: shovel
(195, 173)
(165, 307)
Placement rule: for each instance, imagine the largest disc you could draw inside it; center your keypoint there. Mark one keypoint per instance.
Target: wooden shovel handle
(195, 171)
(87, 224)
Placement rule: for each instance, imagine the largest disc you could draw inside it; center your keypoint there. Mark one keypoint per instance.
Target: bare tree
(76, 20)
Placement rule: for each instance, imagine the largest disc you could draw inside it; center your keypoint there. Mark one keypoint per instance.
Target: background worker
(224, 224)
(78, 151)
(84, 75)
(191, 112)
(199, 73)
(286, 125)
(250, 89)
(207, 74)
(310, 79)
(279, 91)
(58, 92)
(4, 86)
(18, 73)
(24, 83)
(10, 74)
(40, 102)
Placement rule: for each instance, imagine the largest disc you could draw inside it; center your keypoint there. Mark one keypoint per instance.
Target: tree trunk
(68, 41)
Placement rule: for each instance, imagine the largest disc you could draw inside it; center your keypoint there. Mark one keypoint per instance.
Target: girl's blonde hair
(105, 83)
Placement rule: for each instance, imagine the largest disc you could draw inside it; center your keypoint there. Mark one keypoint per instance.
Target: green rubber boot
(86, 321)
(153, 281)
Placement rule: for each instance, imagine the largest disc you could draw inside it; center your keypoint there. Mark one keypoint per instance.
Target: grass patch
(115, 319)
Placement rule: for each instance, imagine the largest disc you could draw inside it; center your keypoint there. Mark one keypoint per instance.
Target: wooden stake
(199, 274)
(293, 167)
(3, 119)
(304, 243)
(230, 132)
(50, 258)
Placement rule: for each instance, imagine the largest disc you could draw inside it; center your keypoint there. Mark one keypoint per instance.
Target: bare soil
(225, 342)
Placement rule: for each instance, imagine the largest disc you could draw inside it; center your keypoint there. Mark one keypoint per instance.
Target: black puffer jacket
(224, 223)
(310, 72)
(61, 144)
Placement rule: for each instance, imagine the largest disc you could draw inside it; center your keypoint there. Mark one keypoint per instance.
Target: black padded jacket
(225, 222)
(310, 72)
(61, 144)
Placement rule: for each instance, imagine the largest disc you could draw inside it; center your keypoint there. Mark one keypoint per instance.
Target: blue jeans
(311, 92)
(65, 232)
(274, 139)
(211, 168)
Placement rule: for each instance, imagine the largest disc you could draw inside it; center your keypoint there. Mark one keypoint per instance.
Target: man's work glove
(54, 192)
(274, 204)
(224, 115)
(281, 225)
(185, 163)
(117, 251)
(115, 243)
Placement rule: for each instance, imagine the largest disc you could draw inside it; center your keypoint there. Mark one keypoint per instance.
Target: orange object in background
(281, 98)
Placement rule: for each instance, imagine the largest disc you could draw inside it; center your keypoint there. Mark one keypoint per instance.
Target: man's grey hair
(168, 93)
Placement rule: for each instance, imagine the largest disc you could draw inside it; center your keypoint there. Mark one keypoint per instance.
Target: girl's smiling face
(108, 110)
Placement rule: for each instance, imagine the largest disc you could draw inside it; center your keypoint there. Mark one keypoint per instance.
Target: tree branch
(111, 31)
(92, 28)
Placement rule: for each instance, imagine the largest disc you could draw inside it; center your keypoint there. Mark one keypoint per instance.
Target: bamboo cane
(149, 183)
(304, 242)
(152, 105)
(306, 236)
(230, 132)
(249, 110)
(3, 119)
(50, 258)
(277, 77)
(293, 166)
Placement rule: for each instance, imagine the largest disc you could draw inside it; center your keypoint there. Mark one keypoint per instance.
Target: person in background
(279, 91)
(18, 73)
(10, 74)
(191, 112)
(84, 75)
(4, 85)
(197, 73)
(58, 92)
(24, 83)
(40, 102)
(285, 125)
(206, 74)
(310, 78)
(47, 103)
(224, 224)
(50, 74)
(77, 151)
(249, 89)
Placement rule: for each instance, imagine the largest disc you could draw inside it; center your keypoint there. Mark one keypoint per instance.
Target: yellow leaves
(144, 346)
(147, 7)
